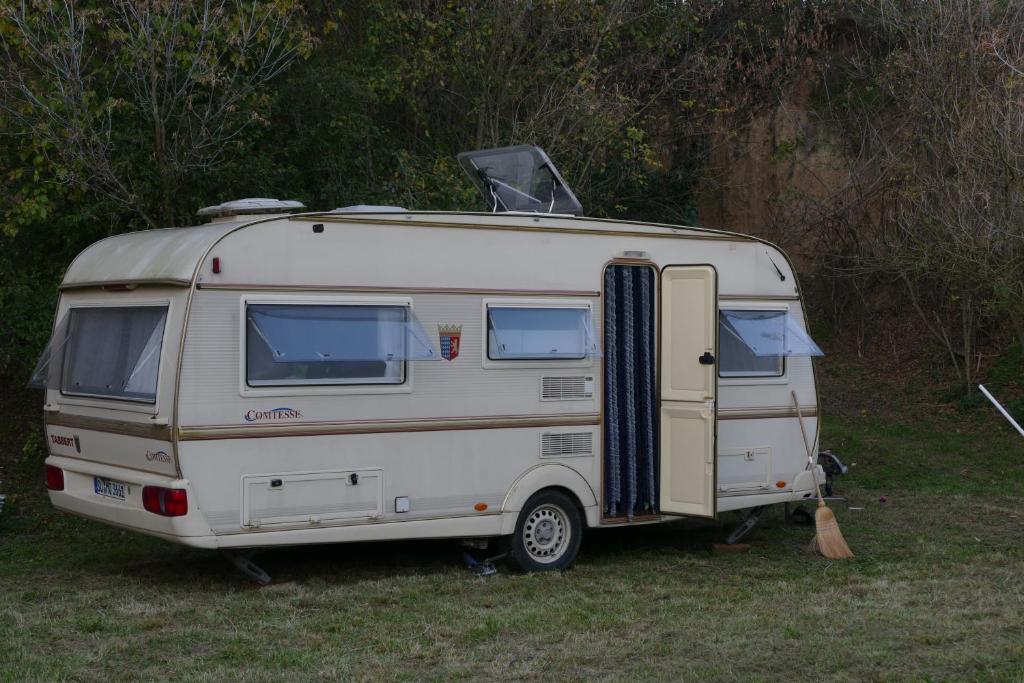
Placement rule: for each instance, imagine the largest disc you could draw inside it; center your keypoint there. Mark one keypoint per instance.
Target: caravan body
(197, 390)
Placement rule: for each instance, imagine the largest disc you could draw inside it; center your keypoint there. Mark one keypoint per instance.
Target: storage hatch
(311, 498)
(744, 469)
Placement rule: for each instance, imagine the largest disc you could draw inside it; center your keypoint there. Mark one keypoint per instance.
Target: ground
(936, 591)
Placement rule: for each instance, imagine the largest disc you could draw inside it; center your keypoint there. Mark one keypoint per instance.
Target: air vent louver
(566, 444)
(566, 388)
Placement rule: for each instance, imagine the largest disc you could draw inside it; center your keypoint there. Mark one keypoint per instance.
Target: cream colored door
(689, 344)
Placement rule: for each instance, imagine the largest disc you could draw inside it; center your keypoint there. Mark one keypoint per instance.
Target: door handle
(707, 359)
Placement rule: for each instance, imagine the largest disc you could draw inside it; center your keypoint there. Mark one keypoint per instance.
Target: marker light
(54, 478)
(780, 484)
(216, 264)
(480, 507)
(165, 502)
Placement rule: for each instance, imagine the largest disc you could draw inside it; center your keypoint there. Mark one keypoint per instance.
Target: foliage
(32, 261)
(930, 104)
(130, 99)
(132, 114)
(608, 89)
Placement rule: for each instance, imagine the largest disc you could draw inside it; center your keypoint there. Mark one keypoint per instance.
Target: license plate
(109, 488)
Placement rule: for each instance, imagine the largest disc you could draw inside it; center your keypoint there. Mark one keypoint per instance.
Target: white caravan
(375, 373)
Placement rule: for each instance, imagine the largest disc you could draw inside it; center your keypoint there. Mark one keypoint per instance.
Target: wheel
(548, 533)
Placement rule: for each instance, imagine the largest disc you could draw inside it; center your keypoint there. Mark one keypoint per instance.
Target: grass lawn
(936, 592)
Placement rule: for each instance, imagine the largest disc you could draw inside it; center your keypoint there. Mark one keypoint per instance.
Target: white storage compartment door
(744, 470)
(294, 498)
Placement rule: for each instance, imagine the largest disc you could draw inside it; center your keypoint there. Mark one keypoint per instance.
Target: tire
(548, 533)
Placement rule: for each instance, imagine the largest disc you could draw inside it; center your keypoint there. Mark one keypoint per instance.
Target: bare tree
(130, 97)
(933, 112)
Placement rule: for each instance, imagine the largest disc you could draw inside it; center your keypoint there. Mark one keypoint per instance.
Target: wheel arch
(554, 476)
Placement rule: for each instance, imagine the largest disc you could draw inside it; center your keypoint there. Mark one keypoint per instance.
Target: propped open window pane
(525, 333)
(46, 374)
(768, 333)
(798, 342)
(332, 344)
(324, 333)
(736, 358)
(143, 375)
(108, 352)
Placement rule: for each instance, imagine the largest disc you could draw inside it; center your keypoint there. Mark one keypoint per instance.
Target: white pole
(1001, 408)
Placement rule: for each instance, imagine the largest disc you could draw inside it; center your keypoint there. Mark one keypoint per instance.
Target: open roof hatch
(520, 178)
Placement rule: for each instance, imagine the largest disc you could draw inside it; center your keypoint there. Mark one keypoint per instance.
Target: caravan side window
(540, 333)
(738, 354)
(298, 344)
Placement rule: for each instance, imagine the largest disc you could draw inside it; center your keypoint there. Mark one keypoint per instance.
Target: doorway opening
(631, 429)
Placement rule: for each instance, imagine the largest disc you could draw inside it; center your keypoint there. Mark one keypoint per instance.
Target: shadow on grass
(157, 562)
(36, 539)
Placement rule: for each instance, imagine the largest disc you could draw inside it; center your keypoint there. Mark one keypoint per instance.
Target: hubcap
(546, 534)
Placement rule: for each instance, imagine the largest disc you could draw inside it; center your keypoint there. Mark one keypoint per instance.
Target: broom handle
(1000, 408)
(807, 447)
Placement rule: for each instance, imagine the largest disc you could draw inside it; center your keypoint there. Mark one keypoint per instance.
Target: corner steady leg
(748, 523)
(242, 559)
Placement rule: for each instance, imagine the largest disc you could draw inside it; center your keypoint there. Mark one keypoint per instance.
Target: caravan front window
(736, 357)
(754, 343)
(298, 344)
(113, 352)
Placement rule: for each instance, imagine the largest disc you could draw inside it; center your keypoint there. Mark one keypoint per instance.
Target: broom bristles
(829, 538)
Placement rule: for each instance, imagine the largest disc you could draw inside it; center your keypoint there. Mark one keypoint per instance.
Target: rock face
(776, 176)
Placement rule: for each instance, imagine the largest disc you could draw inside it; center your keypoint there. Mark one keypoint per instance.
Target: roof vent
(370, 208)
(519, 179)
(248, 207)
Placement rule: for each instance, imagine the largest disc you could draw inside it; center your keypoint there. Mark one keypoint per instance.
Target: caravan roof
(171, 255)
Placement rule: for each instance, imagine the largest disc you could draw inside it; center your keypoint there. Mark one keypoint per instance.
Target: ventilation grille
(566, 444)
(566, 388)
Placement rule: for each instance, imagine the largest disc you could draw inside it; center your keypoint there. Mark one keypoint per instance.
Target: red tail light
(165, 502)
(54, 478)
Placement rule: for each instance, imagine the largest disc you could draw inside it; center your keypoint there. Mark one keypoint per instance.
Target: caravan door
(689, 345)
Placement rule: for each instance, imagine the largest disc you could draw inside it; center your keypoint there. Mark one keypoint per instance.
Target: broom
(828, 539)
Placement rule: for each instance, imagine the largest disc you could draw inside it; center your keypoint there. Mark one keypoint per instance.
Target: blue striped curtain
(631, 417)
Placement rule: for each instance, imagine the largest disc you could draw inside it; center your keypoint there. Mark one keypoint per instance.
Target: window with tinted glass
(539, 333)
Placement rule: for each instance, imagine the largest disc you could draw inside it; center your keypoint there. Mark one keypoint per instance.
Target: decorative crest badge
(450, 336)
